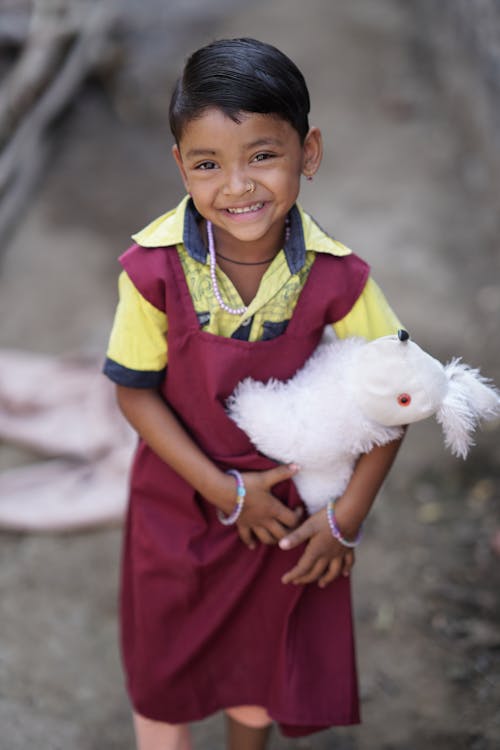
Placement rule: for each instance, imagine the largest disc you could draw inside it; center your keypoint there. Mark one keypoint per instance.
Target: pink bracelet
(336, 531)
(240, 500)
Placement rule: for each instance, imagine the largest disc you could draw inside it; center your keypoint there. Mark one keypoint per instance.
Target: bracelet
(240, 501)
(336, 531)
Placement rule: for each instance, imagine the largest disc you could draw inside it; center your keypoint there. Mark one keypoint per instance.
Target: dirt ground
(405, 187)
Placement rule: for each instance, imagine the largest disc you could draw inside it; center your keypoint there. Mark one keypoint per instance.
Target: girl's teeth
(247, 210)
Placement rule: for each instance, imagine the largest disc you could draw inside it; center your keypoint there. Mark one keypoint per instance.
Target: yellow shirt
(138, 347)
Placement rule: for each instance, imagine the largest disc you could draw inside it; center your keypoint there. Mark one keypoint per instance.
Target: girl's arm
(263, 515)
(325, 558)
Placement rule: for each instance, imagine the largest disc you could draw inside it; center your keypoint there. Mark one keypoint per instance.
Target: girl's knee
(158, 735)
(255, 717)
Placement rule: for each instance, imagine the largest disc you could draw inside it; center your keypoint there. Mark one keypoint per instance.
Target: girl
(219, 610)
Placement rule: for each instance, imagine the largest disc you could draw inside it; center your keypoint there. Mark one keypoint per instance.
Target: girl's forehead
(214, 127)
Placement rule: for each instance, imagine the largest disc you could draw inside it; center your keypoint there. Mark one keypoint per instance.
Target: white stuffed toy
(352, 395)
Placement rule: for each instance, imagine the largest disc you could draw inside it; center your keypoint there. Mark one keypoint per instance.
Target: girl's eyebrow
(200, 152)
(195, 152)
(265, 142)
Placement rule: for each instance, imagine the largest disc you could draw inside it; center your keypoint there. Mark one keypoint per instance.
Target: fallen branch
(38, 64)
(35, 94)
(14, 29)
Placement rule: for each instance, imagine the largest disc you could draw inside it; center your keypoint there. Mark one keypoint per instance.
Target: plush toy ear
(469, 399)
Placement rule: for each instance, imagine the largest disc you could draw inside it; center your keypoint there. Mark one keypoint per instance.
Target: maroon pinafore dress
(206, 622)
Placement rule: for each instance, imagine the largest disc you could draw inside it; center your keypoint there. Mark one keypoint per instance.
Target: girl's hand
(324, 558)
(264, 517)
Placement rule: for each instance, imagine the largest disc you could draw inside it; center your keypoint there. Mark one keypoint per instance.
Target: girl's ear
(312, 152)
(178, 160)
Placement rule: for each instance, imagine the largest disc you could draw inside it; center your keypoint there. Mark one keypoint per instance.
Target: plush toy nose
(403, 335)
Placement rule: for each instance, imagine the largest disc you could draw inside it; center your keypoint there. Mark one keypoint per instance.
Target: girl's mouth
(246, 209)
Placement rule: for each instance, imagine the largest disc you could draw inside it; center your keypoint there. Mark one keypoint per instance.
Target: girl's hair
(240, 75)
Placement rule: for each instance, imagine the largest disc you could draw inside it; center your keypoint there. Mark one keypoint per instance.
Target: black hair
(240, 75)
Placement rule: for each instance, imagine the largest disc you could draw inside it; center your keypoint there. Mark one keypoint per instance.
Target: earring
(309, 177)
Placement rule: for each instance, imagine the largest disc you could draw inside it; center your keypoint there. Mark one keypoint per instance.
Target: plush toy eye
(404, 399)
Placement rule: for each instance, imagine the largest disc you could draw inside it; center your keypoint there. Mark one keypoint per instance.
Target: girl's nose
(236, 183)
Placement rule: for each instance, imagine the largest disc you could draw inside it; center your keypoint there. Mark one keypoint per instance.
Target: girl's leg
(157, 735)
(248, 728)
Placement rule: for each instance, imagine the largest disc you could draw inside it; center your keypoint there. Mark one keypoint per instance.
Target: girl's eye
(404, 399)
(206, 165)
(263, 157)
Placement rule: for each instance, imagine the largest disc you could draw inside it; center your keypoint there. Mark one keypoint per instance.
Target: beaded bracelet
(240, 501)
(336, 531)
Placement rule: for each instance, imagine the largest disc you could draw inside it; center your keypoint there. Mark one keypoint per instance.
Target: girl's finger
(286, 516)
(264, 535)
(247, 537)
(299, 512)
(348, 562)
(332, 572)
(314, 573)
(305, 564)
(279, 474)
(276, 529)
(299, 535)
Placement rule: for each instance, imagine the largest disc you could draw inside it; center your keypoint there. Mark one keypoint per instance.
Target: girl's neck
(256, 252)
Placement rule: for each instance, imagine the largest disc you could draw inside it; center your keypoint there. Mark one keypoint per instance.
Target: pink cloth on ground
(64, 409)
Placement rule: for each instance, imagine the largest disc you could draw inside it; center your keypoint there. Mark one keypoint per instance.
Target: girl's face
(220, 160)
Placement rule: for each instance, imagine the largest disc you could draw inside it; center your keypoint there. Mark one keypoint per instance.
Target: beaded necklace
(215, 286)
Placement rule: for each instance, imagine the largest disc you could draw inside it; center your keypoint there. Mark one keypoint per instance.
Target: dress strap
(333, 286)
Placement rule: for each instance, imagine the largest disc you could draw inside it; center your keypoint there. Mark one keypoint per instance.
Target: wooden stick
(19, 162)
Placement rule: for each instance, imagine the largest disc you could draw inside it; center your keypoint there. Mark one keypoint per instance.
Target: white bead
(215, 287)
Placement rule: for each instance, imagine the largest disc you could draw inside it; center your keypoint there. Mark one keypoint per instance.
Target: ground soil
(403, 185)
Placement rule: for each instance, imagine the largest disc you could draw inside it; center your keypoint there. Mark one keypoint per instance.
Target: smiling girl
(236, 281)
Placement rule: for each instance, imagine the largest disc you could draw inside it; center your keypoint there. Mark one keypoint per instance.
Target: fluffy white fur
(346, 400)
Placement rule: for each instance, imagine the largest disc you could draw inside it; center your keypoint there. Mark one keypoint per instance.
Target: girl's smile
(244, 176)
(252, 209)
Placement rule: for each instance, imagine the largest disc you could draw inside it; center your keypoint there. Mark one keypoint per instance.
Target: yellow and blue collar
(181, 226)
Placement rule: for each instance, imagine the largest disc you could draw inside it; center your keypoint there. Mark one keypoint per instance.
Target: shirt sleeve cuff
(132, 378)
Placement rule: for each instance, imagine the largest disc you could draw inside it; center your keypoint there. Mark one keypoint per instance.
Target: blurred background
(407, 94)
